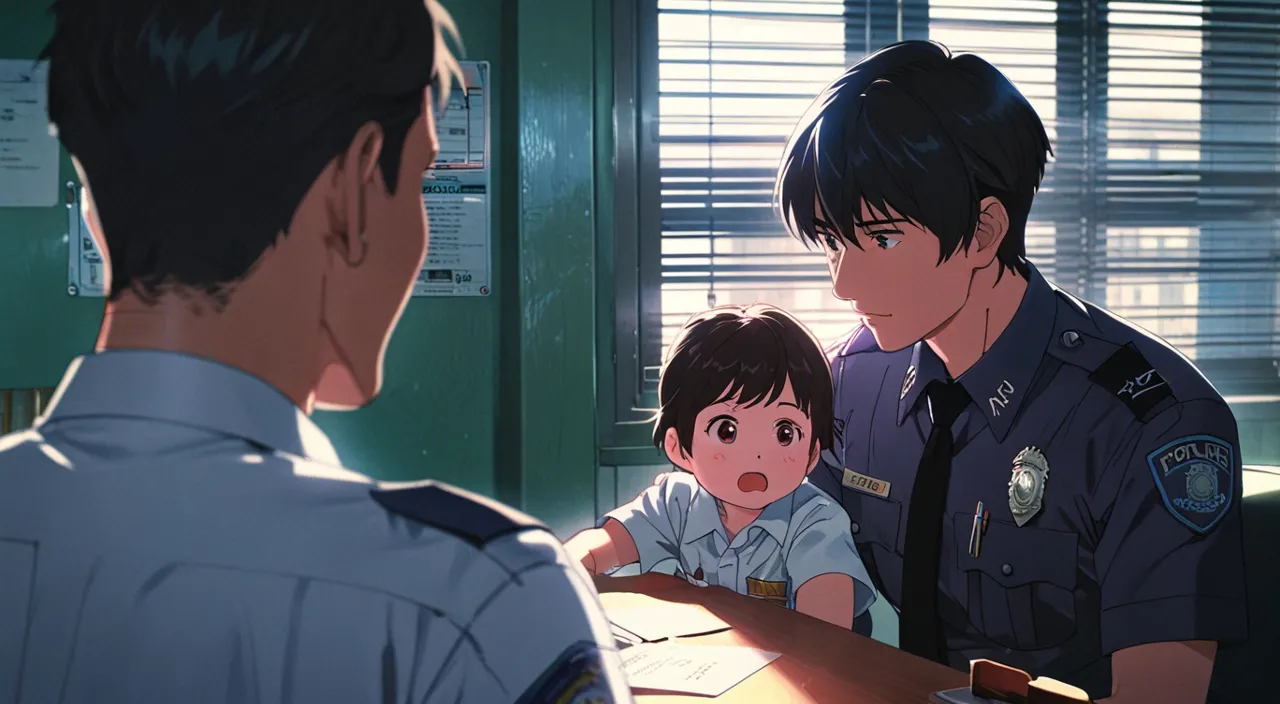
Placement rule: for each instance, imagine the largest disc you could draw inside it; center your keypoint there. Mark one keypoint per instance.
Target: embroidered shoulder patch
(1196, 479)
(1131, 378)
(576, 677)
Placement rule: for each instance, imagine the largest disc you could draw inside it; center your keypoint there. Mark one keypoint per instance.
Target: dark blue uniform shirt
(1138, 539)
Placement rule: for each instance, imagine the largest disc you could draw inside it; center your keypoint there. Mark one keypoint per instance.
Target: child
(745, 412)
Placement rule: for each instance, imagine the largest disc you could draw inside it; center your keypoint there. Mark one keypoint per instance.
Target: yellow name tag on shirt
(762, 589)
(865, 484)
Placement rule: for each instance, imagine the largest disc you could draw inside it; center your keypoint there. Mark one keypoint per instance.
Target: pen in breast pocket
(980, 517)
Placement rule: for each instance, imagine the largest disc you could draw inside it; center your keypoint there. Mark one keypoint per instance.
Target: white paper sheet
(86, 268)
(457, 195)
(457, 261)
(663, 619)
(706, 670)
(28, 153)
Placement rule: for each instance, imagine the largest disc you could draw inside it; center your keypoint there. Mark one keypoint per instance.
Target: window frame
(1082, 62)
(626, 408)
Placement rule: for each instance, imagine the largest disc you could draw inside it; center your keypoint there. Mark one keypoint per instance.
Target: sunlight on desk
(818, 662)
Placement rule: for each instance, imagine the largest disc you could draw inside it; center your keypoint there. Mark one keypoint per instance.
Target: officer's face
(749, 456)
(894, 280)
(363, 301)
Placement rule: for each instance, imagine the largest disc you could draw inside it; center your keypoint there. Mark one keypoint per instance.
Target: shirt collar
(860, 340)
(704, 518)
(171, 387)
(999, 381)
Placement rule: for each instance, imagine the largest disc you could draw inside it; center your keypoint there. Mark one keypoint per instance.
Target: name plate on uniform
(865, 484)
(775, 592)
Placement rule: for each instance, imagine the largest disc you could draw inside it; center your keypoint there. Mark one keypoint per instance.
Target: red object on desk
(819, 662)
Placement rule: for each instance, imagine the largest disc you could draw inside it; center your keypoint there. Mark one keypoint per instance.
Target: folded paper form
(684, 668)
(653, 620)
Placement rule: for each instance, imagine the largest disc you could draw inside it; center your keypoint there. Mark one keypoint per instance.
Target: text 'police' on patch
(1196, 478)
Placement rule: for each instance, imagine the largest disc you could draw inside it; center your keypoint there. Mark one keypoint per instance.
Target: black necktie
(919, 632)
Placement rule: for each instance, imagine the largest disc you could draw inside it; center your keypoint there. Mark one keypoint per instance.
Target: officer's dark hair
(201, 124)
(747, 353)
(928, 134)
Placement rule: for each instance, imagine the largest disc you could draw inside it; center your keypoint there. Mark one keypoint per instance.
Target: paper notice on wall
(458, 251)
(28, 153)
(463, 127)
(86, 268)
(457, 194)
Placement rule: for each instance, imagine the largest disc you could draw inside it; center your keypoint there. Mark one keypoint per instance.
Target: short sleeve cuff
(1174, 619)
(651, 546)
(833, 554)
(864, 595)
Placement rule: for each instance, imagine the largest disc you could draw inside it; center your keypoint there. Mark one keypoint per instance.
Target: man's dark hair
(747, 354)
(926, 133)
(201, 124)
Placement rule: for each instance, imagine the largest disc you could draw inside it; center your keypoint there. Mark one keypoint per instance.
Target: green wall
(493, 394)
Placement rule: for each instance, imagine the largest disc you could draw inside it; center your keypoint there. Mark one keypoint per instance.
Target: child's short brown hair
(746, 353)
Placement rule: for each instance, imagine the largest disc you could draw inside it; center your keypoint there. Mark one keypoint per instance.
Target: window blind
(1185, 242)
(1160, 203)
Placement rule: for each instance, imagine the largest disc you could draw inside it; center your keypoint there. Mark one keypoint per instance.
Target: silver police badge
(1026, 486)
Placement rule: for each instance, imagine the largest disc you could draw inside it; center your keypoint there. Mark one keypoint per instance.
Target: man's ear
(675, 453)
(814, 456)
(989, 233)
(355, 172)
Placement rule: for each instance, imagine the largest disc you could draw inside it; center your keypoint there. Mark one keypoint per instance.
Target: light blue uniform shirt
(175, 530)
(793, 540)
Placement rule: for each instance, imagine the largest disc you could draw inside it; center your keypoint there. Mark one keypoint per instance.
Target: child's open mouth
(753, 481)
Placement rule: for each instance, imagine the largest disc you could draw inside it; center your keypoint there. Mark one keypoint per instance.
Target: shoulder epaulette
(472, 517)
(1129, 377)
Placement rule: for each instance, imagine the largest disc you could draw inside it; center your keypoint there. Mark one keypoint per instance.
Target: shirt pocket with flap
(1021, 587)
(876, 525)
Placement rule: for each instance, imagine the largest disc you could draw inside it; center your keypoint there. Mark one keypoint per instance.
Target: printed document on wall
(28, 153)
(457, 194)
(86, 269)
(458, 255)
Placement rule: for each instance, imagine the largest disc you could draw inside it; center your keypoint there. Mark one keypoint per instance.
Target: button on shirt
(793, 540)
(175, 530)
(1138, 535)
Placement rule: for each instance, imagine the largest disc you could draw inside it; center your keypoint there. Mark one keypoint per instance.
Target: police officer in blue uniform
(176, 528)
(1030, 478)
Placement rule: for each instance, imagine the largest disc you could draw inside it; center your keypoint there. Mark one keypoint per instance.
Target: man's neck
(991, 305)
(249, 343)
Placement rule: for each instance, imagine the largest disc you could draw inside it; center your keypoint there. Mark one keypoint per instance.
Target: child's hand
(660, 478)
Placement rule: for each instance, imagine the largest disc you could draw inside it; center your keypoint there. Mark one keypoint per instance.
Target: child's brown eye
(727, 431)
(786, 434)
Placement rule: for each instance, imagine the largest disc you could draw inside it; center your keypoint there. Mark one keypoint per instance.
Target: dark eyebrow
(871, 223)
(823, 225)
(788, 403)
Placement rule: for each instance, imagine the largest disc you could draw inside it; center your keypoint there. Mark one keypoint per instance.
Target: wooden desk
(820, 663)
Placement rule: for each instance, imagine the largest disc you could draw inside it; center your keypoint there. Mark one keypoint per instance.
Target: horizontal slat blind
(733, 79)
(1160, 203)
(1187, 193)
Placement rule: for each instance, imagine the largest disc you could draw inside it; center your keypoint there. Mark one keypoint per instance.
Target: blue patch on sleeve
(576, 677)
(1196, 478)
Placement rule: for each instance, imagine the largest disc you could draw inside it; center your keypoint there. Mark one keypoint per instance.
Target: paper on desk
(675, 666)
(658, 619)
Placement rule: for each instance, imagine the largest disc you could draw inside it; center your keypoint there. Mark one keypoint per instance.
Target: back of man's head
(199, 125)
